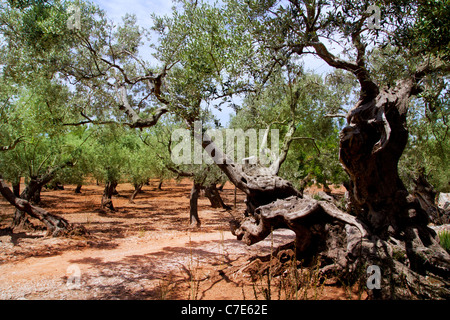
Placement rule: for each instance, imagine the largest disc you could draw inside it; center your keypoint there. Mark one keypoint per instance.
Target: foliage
(159, 139)
(305, 99)
(206, 54)
(429, 144)
(444, 240)
(34, 113)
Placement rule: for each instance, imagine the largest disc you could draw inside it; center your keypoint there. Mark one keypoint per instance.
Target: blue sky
(141, 8)
(116, 9)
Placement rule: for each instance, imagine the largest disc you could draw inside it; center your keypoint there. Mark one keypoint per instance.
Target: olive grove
(354, 126)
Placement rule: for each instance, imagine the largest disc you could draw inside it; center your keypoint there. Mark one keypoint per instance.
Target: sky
(141, 8)
(116, 9)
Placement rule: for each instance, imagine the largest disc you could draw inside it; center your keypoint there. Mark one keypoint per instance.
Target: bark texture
(78, 188)
(16, 189)
(55, 225)
(387, 227)
(212, 193)
(412, 267)
(110, 188)
(426, 195)
(370, 148)
(32, 192)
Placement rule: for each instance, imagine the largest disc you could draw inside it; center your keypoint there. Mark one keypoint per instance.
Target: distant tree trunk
(78, 188)
(212, 193)
(110, 187)
(160, 184)
(137, 189)
(36, 198)
(194, 220)
(370, 148)
(326, 188)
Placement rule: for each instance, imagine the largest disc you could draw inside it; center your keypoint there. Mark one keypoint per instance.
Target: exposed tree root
(413, 265)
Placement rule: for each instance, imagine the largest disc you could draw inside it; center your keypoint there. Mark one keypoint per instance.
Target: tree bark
(78, 188)
(32, 192)
(16, 188)
(110, 187)
(12, 146)
(426, 195)
(194, 219)
(389, 227)
(137, 189)
(55, 225)
(345, 248)
(370, 148)
(260, 184)
(212, 193)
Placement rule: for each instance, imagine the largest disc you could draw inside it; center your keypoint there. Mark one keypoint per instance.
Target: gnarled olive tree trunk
(212, 193)
(370, 148)
(32, 192)
(55, 225)
(388, 227)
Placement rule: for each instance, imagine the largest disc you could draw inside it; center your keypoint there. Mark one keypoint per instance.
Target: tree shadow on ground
(168, 273)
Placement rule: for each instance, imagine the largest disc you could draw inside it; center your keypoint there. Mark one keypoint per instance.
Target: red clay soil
(144, 250)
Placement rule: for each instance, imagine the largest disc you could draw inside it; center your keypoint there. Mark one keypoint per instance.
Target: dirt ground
(145, 250)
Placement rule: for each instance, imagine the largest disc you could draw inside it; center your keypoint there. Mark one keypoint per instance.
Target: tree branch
(125, 105)
(96, 122)
(137, 122)
(369, 89)
(11, 146)
(310, 139)
(275, 166)
(336, 115)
